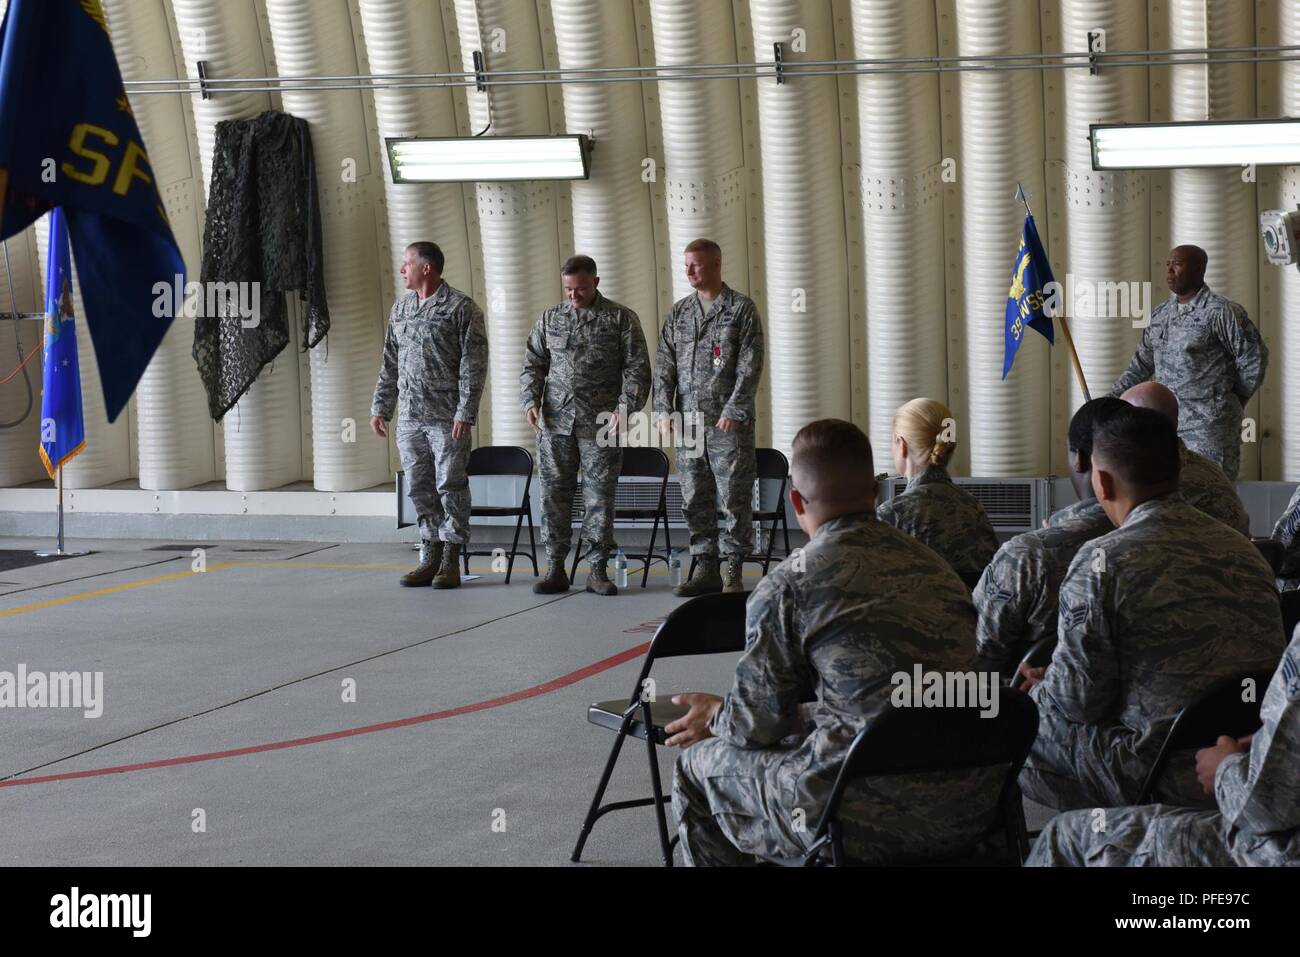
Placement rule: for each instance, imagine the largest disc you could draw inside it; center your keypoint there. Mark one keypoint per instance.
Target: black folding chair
(971, 579)
(1272, 551)
(771, 464)
(919, 740)
(505, 460)
(642, 463)
(707, 625)
(1220, 710)
(1290, 601)
(1039, 655)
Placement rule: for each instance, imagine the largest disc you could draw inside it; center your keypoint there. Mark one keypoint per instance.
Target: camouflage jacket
(577, 367)
(1211, 355)
(1285, 532)
(867, 603)
(435, 359)
(1018, 594)
(937, 512)
(1151, 615)
(710, 364)
(1204, 485)
(1259, 791)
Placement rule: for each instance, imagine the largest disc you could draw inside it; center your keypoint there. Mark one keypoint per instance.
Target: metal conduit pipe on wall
(902, 208)
(517, 221)
(611, 210)
(1008, 418)
(1285, 360)
(1215, 208)
(704, 157)
(1107, 220)
(803, 210)
(402, 38)
(312, 37)
(173, 430)
(262, 434)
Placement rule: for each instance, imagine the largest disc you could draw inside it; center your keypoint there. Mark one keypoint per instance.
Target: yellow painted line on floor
(98, 592)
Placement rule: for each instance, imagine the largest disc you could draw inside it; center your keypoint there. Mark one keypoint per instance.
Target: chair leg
(600, 792)
(532, 543)
(661, 818)
(465, 553)
(514, 547)
(650, 552)
(577, 557)
(691, 573)
(771, 544)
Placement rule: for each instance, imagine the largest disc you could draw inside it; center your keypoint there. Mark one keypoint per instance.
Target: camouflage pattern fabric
(1018, 594)
(560, 457)
(1209, 353)
(1203, 484)
(1285, 532)
(1151, 615)
(437, 479)
(868, 603)
(1258, 816)
(719, 474)
(936, 512)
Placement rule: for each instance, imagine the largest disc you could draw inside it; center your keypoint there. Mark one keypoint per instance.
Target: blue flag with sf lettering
(68, 138)
(63, 433)
(1028, 294)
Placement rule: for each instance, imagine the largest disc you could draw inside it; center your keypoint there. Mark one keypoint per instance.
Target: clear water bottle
(674, 567)
(620, 569)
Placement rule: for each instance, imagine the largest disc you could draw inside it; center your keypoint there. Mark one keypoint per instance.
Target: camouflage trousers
(1155, 835)
(718, 475)
(1220, 442)
(560, 457)
(436, 479)
(727, 806)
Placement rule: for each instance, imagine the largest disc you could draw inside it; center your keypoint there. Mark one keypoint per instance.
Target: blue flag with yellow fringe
(68, 138)
(1027, 297)
(63, 431)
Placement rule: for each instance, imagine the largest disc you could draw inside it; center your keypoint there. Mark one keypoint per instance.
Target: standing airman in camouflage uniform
(709, 363)
(1254, 781)
(1205, 348)
(1151, 615)
(933, 509)
(585, 369)
(435, 363)
(832, 625)
(1018, 594)
(1200, 480)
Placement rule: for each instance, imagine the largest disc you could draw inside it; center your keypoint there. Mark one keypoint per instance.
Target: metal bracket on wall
(780, 62)
(480, 72)
(205, 90)
(1093, 37)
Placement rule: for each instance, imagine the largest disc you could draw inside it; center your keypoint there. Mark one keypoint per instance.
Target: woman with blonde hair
(932, 509)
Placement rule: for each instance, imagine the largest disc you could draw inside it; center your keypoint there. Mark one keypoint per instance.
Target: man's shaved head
(1185, 270)
(832, 467)
(1156, 397)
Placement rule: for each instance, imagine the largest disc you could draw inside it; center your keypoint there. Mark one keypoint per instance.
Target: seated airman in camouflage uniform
(1018, 594)
(1205, 348)
(933, 509)
(1200, 480)
(833, 625)
(1284, 531)
(1151, 615)
(709, 363)
(585, 357)
(435, 363)
(1255, 782)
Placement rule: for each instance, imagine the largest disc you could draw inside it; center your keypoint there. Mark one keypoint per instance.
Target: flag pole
(60, 482)
(1065, 325)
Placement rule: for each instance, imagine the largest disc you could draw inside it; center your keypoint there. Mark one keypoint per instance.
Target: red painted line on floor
(573, 677)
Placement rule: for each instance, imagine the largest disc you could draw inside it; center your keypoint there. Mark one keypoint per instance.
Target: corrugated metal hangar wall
(873, 217)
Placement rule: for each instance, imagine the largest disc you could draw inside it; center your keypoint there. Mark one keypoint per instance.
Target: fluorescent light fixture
(1178, 145)
(482, 159)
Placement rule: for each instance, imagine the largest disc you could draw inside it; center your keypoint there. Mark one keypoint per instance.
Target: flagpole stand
(60, 551)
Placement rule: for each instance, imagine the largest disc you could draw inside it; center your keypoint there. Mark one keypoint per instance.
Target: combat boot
(555, 581)
(449, 572)
(735, 580)
(598, 582)
(705, 581)
(430, 559)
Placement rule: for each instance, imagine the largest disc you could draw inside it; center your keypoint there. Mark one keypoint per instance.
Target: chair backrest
(772, 464)
(1038, 656)
(1272, 551)
(971, 579)
(645, 462)
(1290, 612)
(500, 460)
(1219, 710)
(918, 740)
(707, 625)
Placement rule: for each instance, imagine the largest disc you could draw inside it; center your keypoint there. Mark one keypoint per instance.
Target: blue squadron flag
(1027, 297)
(68, 138)
(63, 432)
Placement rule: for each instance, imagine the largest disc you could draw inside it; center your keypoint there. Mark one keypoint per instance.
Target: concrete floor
(255, 652)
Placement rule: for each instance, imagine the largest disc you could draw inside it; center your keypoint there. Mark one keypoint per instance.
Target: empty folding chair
(1222, 709)
(707, 625)
(907, 741)
(505, 460)
(642, 463)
